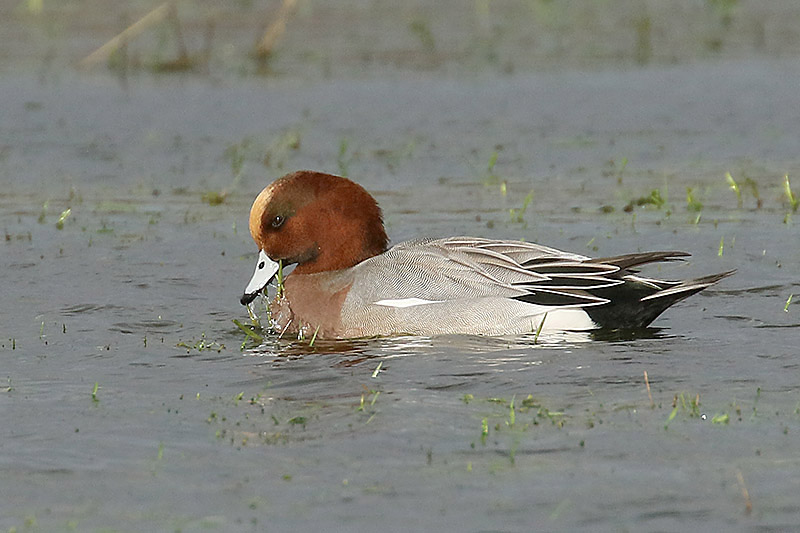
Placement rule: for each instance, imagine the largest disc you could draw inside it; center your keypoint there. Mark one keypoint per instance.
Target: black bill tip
(247, 298)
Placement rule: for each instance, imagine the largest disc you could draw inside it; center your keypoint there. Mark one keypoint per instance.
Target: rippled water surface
(132, 402)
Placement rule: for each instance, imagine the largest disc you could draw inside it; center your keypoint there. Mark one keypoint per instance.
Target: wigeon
(348, 283)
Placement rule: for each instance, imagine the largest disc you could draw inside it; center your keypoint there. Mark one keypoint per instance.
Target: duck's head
(320, 222)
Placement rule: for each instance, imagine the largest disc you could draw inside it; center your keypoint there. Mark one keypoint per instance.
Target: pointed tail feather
(688, 287)
(637, 303)
(628, 261)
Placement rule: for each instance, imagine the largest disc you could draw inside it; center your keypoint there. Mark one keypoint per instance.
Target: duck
(349, 283)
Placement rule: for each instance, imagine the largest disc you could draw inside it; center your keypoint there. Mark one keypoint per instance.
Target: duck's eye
(277, 221)
(261, 265)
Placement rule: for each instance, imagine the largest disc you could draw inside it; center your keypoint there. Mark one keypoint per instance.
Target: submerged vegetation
(201, 345)
(692, 203)
(517, 215)
(252, 332)
(62, 218)
(343, 159)
(793, 199)
(654, 199)
(658, 199)
(735, 188)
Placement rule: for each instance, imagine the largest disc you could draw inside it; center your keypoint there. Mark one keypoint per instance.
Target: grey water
(130, 400)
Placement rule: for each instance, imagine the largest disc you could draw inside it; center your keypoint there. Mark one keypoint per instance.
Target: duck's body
(348, 284)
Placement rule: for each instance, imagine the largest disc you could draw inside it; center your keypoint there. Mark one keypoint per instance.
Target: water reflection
(632, 334)
(353, 352)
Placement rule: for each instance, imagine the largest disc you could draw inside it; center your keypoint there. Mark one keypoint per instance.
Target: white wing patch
(406, 302)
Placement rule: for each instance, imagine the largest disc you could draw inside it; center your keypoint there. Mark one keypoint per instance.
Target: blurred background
(311, 39)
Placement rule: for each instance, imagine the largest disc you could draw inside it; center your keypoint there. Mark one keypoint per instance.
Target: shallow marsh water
(193, 427)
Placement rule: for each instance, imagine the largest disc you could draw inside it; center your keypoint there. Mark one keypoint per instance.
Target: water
(193, 427)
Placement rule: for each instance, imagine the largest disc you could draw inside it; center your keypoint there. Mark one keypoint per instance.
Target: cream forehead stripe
(259, 205)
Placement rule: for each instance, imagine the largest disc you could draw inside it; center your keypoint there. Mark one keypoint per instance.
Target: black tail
(638, 301)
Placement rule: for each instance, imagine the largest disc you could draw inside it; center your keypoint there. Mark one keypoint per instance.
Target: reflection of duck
(348, 283)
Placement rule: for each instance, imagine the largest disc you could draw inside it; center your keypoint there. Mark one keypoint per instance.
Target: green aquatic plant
(735, 188)
(104, 229)
(202, 345)
(788, 302)
(95, 399)
(692, 203)
(214, 197)
(490, 177)
(298, 420)
(250, 332)
(421, 29)
(754, 191)
(279, 280)
(517, 216)
(366, 403)
(277, 154)
(528, 403)
(691, 407)
(671, 417)
(723, 418)
(623, 164)
(342, 160)
(539, 329)
(794, 201)
(725, 9)
(236, 153)
(62, 218)
(556, 418)
(313, 338)
(43, 213)
(654, 199)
